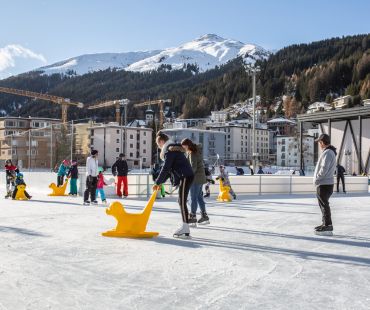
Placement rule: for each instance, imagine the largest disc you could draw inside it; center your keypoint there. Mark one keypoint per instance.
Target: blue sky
(38, 32)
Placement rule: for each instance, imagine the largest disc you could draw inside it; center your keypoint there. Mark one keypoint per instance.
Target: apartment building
(112, 139)
(29, 142)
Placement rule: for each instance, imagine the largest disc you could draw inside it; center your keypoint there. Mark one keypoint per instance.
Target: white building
(239, 142)
(213, 142)
(319, 107)
(288, 154)
(341, 102)
(111, 140)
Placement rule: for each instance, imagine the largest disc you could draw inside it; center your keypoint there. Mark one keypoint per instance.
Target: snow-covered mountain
(94, 62)
(206, 52)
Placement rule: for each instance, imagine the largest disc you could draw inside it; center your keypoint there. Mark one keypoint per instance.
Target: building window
(131, 137)
(131, 155)
(144, 151)
(144, 142)
(117, 131)
(144, 160)
(117, 140)
(131, 146)
(144, 133)
(117, 149)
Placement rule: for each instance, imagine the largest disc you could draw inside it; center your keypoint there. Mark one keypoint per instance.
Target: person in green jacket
(194, 155)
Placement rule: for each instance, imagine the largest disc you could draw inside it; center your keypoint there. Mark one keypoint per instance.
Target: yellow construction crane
(160, 103)
(117, 104)
(64, 102)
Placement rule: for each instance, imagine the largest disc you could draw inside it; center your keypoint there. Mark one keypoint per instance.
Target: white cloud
(9, 53)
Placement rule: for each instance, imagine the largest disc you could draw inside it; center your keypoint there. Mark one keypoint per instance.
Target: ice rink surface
(257, 253)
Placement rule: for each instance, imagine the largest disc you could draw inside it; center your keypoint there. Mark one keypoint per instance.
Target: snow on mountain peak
(206, 52)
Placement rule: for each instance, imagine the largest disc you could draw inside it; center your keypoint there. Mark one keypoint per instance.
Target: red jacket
(101, 182)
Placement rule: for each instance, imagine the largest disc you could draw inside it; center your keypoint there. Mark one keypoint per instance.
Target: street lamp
(252, 69)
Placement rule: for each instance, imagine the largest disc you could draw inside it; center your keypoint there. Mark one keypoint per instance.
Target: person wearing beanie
(73, 175)
(92, 167)
(120, 169)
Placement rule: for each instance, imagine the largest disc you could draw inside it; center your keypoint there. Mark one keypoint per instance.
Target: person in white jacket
(92, 167)
(323, 179)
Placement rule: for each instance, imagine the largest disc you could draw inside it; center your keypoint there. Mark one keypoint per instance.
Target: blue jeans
(196, 195)
(102, 194)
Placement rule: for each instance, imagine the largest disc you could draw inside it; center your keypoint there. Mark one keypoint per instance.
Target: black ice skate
(324, 230)
(204, 219)
(192, 220)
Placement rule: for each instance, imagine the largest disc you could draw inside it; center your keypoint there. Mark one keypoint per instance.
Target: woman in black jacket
(178, 168)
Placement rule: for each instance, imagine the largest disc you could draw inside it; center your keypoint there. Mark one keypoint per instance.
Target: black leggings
(341, 178)
(184, 189)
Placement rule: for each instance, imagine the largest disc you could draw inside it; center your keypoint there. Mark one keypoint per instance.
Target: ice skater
(224, 176)
(100, 186)
(62, 172)
(194, 155)
(10, 174)
(91, 178)
(323, 179)
(340, 177)
(73, 175)
(178, 168)
(120, 169)
(210, 180)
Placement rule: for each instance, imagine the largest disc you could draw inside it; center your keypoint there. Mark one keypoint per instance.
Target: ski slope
(258, 253)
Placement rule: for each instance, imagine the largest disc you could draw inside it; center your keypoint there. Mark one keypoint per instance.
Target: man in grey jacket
(323, 179)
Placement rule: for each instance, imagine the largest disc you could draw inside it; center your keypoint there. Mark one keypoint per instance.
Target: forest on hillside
(301, 74)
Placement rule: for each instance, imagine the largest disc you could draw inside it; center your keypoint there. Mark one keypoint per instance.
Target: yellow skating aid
(58, 190)
(20, 193)
(224, 194)
(130, 225)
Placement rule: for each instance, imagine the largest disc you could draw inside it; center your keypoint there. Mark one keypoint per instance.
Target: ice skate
(183, 232)
(94, 202)
(192, 220)
(86, 203)
(324, 230)
(204, 219)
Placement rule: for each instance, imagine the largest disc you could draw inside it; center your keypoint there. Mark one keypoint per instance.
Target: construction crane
(160, 103)
(64, 102)
(117, 103)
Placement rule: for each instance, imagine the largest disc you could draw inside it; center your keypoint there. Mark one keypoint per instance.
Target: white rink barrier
(141, 184)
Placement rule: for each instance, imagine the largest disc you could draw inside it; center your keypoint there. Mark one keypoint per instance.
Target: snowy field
(258, 253)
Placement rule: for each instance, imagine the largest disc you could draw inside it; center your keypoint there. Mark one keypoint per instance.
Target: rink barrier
(141, 184)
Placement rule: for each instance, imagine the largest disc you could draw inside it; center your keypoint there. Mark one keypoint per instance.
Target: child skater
(20, 181)
(100, 186)
(73, 174)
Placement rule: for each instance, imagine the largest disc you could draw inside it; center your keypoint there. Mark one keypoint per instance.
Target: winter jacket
(175, 166)
(325, 167)
(62, 171)
(11, 171)
(224, 176)
(120, 168)
(73, 172)
(92, 166)
(340, 171)
(101, 181)
(19, 181)
(196, 162)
